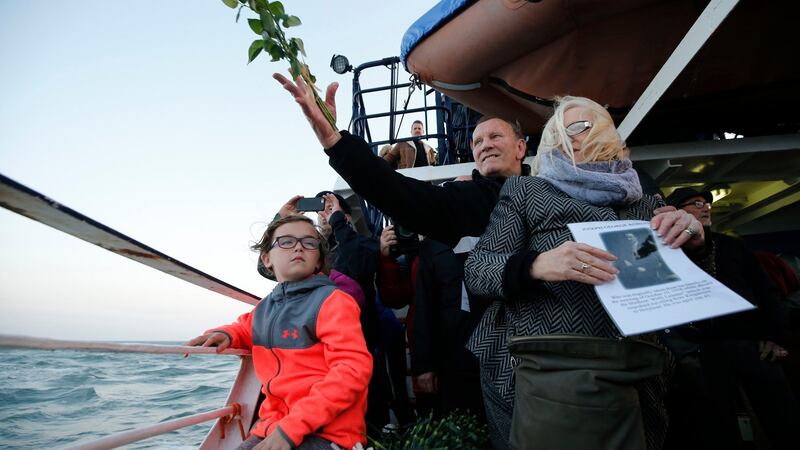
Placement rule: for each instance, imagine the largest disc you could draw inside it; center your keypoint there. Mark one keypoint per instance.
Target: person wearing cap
(715, 355)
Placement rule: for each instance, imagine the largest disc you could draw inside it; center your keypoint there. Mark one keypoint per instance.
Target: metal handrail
(127, 437)
(115, 347)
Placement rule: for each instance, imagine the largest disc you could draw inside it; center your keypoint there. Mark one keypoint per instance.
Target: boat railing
(236, 417)
(233, 419)
(359, 123)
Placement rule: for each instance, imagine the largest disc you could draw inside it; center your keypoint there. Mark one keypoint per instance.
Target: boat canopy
(512, 58)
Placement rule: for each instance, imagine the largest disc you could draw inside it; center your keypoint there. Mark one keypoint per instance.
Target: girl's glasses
(576, 128)
(288, 242)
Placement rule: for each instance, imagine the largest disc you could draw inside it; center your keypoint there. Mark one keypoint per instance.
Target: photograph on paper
(657, 287)
(639, 262)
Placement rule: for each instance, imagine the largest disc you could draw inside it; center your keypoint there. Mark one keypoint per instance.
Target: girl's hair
(265, 244)
(603, 143)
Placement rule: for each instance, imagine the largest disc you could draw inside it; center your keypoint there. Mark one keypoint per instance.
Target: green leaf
(268, 23)
(298, 44)
(276, 8)
(292, 21)
(262, 6)
(276, 52)
(256, 26)
(255, 49)
(233, 4)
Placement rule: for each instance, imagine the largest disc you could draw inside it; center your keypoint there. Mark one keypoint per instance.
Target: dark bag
(579, 392)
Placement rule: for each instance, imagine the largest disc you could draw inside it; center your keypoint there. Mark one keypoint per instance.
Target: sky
(146, 117)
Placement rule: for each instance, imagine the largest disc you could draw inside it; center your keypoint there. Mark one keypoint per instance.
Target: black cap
(342, 202)
(679, 196)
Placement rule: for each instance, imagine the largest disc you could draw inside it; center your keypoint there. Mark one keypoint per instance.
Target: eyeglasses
(576, 128)
(288, 242)
(699, 204)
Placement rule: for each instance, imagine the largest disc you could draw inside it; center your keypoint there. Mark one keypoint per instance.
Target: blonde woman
(544, 280)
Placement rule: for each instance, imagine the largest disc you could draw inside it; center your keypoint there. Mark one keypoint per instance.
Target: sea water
(64, 397)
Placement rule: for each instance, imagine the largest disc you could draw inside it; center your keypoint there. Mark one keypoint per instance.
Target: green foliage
(256, 26)
(271, 21)
(254, 50)
(456, 431)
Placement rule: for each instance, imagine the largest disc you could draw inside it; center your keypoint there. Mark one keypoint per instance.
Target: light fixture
(720, 192)
(340, 64)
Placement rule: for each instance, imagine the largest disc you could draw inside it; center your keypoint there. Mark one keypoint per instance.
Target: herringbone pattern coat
(532, 214)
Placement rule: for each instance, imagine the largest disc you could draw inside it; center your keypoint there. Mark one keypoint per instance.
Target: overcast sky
(146, 117)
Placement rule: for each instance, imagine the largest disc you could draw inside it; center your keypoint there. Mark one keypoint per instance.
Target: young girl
(307, 344)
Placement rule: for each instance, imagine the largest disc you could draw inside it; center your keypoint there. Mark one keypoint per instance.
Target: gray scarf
(600, 183)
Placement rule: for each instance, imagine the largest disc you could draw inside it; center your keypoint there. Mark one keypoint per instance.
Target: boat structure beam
(34, 205)
(703, 28)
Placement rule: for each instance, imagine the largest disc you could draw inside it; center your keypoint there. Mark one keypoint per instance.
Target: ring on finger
(690, 231)
(584, 267)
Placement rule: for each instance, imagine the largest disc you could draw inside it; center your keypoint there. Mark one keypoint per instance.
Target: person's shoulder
(527, 184)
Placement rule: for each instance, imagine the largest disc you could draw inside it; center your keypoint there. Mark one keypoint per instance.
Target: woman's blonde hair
(602, 143)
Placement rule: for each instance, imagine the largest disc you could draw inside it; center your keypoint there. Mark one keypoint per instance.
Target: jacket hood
(290, 289)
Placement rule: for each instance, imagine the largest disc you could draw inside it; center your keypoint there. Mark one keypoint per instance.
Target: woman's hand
(575, 262)
(290, 208)
(213, 339)
(677, 228)
(273, 442)
(304, 97)
(388, 239)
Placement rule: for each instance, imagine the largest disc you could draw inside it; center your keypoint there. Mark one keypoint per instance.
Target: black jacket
(357, 257)
(738, 269)
(445, 213)
(442, 327)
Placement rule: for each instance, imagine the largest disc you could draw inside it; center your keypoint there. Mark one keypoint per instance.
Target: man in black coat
(716, 355)
(445, 213)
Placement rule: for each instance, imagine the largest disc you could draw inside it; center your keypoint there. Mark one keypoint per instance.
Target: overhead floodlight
(340, 64)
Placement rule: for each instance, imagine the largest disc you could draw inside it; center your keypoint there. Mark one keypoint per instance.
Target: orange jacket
(310, 355)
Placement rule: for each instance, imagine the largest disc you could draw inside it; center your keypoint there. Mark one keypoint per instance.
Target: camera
(407, 241)
(311, 204)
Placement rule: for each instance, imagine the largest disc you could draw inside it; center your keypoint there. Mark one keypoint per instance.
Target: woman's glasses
(288, 242)
(576, 128)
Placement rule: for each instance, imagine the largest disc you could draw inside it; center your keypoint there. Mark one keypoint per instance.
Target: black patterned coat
(531, 217)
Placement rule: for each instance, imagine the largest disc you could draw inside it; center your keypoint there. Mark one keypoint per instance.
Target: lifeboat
(512, 58)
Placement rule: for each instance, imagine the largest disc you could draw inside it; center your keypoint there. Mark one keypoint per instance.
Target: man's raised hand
(304, 96)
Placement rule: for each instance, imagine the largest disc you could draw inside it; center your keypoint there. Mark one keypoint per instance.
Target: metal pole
(126, 437)
(93, 346)
(703, 28)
